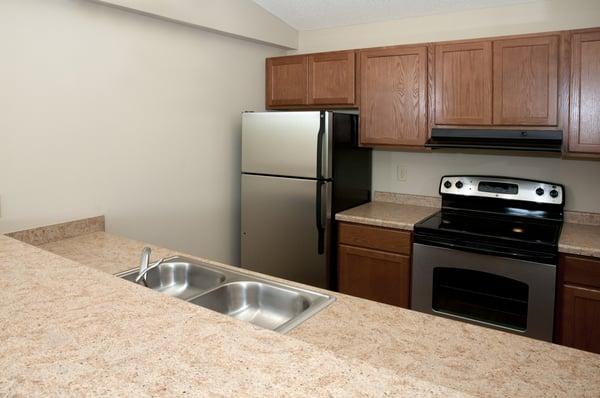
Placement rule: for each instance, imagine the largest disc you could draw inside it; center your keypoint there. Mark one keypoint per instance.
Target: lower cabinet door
(374, 275)
(580, 323)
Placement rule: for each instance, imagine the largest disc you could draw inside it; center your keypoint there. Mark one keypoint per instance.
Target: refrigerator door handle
(321, 217)
(320, 137)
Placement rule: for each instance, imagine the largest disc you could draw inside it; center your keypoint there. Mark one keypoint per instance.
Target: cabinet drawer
(378, 238)
(581, 271)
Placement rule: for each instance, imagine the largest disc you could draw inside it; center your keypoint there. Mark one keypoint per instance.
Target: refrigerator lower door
(285, 227)
(292, 144)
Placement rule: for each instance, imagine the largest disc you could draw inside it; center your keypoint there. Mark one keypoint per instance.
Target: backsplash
(407, 199)
(69, 229)
(424, 170)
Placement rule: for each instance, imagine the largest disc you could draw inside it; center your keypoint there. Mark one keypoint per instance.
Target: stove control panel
(503, 188)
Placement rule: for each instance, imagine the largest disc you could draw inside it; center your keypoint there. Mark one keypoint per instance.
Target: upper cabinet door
(584, 125)
(393, 96)
(331, 78)
(526, 81)
(463, 83)
(287, 80)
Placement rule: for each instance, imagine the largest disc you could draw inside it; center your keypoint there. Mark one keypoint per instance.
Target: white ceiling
(319, 14)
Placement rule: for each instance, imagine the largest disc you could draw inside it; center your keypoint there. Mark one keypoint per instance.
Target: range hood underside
(516, 140)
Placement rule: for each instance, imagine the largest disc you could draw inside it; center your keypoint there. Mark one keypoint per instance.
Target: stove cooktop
(498, 216)
(494, 227)
(505, 236)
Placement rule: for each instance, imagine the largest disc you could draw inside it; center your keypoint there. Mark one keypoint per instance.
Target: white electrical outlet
(401, 172)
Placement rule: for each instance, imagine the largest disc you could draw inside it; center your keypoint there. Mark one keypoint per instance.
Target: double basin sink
(262, 302)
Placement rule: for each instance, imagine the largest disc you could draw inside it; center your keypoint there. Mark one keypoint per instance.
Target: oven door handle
(463, 246)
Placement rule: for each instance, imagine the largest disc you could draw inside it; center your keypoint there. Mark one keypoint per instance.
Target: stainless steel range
(489, 256)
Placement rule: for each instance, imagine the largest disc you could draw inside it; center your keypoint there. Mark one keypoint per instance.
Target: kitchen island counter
(71, 330)
(427, 354)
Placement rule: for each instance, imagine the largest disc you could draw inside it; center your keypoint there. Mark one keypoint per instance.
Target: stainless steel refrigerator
(298, 170)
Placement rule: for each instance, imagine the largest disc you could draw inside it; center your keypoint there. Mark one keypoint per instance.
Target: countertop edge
(374, 222)
(381, 221)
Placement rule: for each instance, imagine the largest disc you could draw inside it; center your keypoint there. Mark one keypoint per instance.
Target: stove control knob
(539, 191)
(459, 184)
(447, 184)
(554, 193)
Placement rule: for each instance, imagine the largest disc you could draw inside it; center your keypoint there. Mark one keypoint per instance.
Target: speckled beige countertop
(70, 330)
(110, 335)
(576, 238)
(387, 214)
(580, 239)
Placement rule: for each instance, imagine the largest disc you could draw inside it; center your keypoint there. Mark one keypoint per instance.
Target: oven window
(480, 296)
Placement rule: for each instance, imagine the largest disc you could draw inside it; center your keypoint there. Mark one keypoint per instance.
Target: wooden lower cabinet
(374, 275)
(581, 318)
(579, 303)
(367, 271)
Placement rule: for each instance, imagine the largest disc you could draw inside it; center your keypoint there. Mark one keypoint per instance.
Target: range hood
(515, 140)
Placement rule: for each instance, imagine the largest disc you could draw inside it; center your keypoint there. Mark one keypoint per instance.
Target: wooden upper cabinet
(287, 80)
(463, 83)
(331, 78)
(393, 96)
(584, 123)
(526, 81)
(312, 80)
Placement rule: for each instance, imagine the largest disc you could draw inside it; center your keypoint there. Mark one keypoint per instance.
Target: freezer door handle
(321, 217)
(320, 137)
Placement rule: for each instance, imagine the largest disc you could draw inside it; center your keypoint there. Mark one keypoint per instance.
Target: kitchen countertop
(355, 346)
(387, 214)
(71, 330)
(580, 239)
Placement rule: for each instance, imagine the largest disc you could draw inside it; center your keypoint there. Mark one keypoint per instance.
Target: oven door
(503, 293)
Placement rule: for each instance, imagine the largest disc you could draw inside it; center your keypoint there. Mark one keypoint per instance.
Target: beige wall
(425, 169)
(241, 18)
(538, 16)
(104, 111)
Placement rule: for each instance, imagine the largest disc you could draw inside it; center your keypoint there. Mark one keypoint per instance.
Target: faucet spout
(144, 263)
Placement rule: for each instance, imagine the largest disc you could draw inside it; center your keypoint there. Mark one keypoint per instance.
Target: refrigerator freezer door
(293, 144)
(284, 226)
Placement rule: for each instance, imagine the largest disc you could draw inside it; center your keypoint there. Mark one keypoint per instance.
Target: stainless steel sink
(179, 278)
(271, 305)
(264, 305)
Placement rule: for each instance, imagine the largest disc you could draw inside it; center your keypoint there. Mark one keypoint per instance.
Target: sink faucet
(144, 262)
(145, 265)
